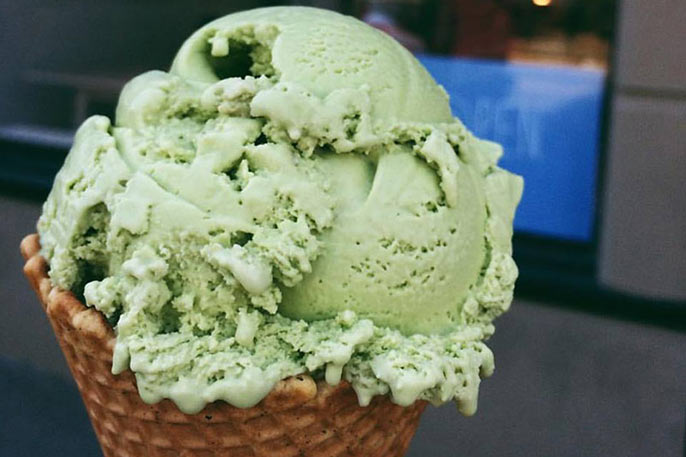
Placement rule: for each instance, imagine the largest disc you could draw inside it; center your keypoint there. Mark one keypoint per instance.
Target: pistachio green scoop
(292, 196)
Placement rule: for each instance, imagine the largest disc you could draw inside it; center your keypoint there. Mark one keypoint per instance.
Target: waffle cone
(300, 417)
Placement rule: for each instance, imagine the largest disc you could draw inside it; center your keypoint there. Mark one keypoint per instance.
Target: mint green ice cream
(293, 196)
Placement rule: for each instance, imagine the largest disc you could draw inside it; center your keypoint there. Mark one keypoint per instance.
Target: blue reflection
(548, 121)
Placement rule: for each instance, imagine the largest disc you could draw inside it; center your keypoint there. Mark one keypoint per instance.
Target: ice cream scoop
(292, 196)
(320, 53)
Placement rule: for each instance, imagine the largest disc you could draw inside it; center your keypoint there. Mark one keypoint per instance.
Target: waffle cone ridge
(300, 417)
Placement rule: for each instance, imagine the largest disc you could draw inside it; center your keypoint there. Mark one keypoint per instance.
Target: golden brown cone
(300, 417)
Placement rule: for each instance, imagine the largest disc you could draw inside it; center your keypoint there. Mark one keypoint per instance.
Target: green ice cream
(292, 196)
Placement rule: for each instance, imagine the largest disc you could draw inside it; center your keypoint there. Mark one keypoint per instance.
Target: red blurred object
(482, 28)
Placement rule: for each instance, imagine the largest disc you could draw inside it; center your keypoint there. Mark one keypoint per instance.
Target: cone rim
(64, 306)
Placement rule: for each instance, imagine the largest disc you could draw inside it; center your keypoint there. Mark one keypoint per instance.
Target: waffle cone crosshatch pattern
(300, 417)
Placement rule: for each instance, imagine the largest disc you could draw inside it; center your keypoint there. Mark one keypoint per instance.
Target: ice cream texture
(293, 196)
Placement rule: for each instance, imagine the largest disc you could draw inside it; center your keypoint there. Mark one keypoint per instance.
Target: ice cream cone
(300, 417)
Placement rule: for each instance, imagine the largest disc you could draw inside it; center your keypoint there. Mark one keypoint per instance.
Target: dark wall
(101, 37)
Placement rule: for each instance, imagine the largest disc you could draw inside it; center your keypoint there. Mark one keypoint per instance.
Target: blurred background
(588, 98)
